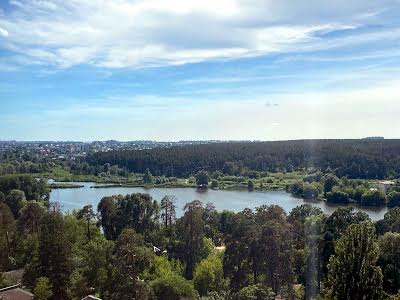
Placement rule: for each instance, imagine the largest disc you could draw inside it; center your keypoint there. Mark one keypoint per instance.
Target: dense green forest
(328, 186)
(132, 247)
(373, 159)
(18, 161)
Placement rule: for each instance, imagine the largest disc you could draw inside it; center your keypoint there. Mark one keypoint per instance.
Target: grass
(274, 181)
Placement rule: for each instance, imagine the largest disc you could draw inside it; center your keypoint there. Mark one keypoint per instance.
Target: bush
(42, 290)
(202, 178)
(209, 275)
(337, 197)
(373, 198)
(255, 292)
(250, 184)
(173, 287)
(214, 184)
(297, 189)
(310, 191)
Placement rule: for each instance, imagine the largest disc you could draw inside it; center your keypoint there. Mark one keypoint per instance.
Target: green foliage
(353, 273)
(250, 185)
(87, 214)
(168, 210)
(393, 199)
(351, 158)
(297, 188)
(391, 220)
(131, 257)
(33, 189)
(15, 200)
(173, 287)
(214, 184)
(191, 229)
(255, 292)
(221, 295)
(202, 178)
(96, 257)
(55, 253)
(226, 220)
(389, 261)
(310, 191)
(253, 235)
(329, 180)
(373, 198)
(337, 196)
(147, 177)
(7, 236)
(208, 276)
(137, 211)
(159, 267)
(43, 289)
(30, 217)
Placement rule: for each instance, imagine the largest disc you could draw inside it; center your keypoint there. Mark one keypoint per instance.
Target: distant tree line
(343, 190)
(373, 159)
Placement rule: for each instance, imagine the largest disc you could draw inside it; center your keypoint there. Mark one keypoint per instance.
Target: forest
(133, 247)
(366, 159)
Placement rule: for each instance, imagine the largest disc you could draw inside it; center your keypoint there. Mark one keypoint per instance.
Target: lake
(236, 201)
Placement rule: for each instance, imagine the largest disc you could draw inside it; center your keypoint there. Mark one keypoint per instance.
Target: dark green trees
(131, 257)
(191, 228)
(173, 287)
(137, 211)
(373, 198)
(202, 179)
(147, 177)
(15, 200)
(33, 189)
(209, 275)
(108, 208)
(337, 196)
(7, 235)
(393, 199)
(87, 214)
(389, 261)
(329, 180)
(255, 292)
(353, 273)
(168, 214)
(55, 254)
(252, 236)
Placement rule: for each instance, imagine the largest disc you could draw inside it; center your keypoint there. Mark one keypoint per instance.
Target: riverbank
(273, 181)
(61, 185)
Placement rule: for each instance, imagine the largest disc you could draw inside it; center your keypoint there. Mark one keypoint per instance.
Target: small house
(385, 185)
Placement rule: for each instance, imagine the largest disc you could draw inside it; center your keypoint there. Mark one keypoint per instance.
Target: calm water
(232, 200)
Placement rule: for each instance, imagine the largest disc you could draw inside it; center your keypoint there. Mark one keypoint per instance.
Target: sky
(198, 70)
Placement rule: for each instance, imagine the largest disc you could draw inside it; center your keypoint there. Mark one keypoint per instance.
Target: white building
(385, 185)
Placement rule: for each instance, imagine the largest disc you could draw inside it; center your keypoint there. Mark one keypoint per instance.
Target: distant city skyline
(199, 70)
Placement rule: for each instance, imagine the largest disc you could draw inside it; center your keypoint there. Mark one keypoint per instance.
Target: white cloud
(140, 33)
(3, 32)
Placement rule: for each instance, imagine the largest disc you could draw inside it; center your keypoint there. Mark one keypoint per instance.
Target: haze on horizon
(199, 70)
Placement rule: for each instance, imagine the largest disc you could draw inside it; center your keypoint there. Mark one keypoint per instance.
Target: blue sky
(172, 70)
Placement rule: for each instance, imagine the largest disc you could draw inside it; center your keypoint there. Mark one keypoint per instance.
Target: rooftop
(15, 293)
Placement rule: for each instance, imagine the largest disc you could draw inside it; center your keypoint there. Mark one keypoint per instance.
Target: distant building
(385, 185)
(15, 293)
(374, 138)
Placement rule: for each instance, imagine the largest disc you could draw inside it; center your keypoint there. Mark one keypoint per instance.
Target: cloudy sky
(183, 69)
